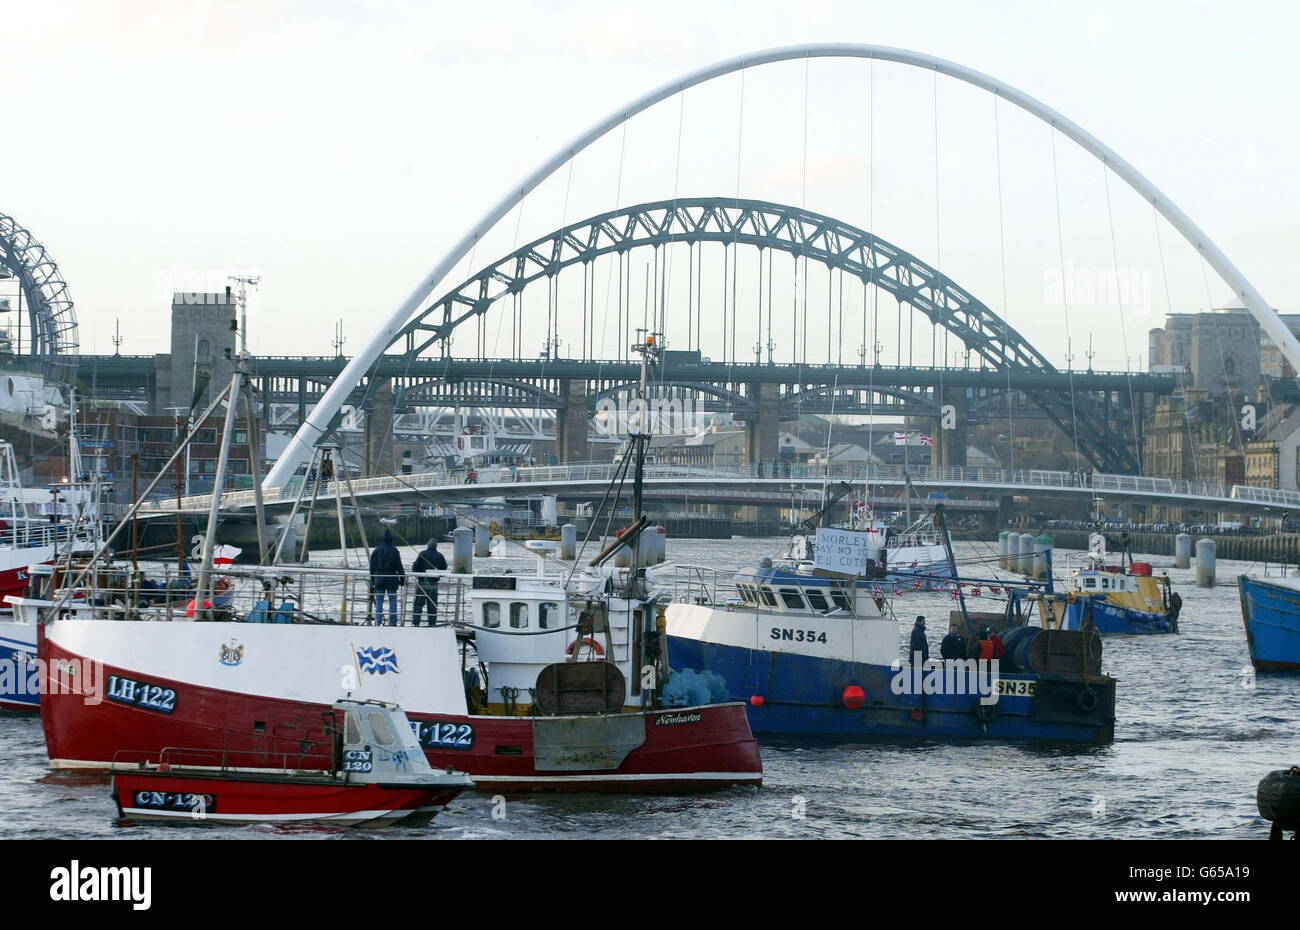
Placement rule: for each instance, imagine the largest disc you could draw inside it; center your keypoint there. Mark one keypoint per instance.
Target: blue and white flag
(377, 660)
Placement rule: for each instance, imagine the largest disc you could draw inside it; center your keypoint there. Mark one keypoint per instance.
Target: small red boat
(377, 774)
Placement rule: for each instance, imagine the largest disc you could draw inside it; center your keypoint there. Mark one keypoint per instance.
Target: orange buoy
(756, 700)
(853, 697)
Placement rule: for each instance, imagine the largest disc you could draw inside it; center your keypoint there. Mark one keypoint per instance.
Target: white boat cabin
(524, 623)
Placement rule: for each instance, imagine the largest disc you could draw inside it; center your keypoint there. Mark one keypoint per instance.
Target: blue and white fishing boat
(1119, 598)
(815, 651)
(1270, 609)
(38, 527)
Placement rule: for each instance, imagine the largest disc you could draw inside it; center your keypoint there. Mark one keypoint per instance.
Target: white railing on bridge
(532, 477)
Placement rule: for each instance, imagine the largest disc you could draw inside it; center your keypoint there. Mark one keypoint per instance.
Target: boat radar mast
(639, 426)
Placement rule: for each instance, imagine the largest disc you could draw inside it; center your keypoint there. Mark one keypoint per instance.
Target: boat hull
(1111, 619)
(19, 682)
(188, 797)
(794, 695)
(676, 750)
(1271, 614)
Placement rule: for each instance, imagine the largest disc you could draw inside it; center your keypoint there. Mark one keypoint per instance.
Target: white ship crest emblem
(232, 654)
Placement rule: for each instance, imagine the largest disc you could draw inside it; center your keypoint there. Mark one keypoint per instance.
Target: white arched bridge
(411, 322)
(759, 485)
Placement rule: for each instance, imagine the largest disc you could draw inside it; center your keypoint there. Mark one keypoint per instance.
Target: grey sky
(335, 148)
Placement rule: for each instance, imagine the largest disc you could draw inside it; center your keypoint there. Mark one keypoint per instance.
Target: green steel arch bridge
(1102, 411)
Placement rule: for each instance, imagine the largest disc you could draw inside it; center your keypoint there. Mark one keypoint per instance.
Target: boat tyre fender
(1278, 798)
(1086, 699)
(572, 650)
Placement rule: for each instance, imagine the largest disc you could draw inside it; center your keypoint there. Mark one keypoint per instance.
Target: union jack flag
(975, 591)
(916, 585)
(993, 590)
(875, 590)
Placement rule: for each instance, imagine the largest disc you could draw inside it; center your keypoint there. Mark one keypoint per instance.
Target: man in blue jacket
(386, 576)
(919, 642)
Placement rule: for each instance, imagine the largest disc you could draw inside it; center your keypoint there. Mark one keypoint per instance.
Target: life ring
(596, 647)
(1087, 700)
(189, 608)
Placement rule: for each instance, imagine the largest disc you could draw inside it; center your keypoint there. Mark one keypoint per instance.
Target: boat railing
(227, 760)
(700, 584)
(289, 594)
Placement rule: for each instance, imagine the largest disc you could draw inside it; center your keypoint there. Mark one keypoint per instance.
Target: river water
(1196, 730)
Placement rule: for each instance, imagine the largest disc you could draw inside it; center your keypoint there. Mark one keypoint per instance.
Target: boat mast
(640, 434)
(952, 565)
(202, 590)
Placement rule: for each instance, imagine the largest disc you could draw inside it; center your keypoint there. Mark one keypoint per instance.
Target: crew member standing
(426, 588)
(919, 641)
(953, 645)
(386, 576)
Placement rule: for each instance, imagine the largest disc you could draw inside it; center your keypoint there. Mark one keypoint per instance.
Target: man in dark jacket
(426, 590)
(953, 645)
(919, 642)
(386, 576)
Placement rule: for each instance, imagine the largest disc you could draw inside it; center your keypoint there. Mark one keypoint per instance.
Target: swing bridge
(794, 486)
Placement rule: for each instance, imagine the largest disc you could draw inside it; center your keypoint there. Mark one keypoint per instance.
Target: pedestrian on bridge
(426, 588)
(386, 576)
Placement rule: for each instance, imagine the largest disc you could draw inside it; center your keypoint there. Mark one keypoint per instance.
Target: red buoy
(853, 697)
(756, 700)
(918, 713)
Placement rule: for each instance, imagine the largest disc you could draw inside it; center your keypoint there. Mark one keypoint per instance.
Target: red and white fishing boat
(145, 684)
(371, 772)
(542, 681)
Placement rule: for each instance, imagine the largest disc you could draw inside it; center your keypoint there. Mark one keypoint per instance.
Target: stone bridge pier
(571, 445)
(950, 443)
(379, 431)
(763, 432)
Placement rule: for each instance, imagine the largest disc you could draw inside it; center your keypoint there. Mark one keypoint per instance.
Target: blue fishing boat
(1119, 598)
(1270, 609)
(817, 652)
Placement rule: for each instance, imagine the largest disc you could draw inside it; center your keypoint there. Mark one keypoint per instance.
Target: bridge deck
(726, 484)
